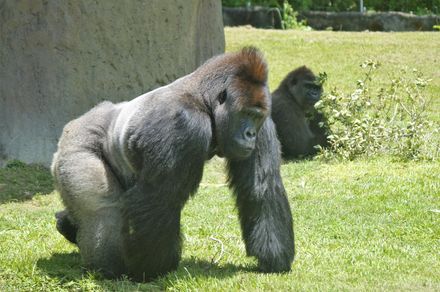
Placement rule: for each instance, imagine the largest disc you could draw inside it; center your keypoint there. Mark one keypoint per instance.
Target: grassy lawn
(362, 225)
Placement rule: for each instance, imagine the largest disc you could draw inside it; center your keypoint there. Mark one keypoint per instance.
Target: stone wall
(260, 17)
(60, 58)
(381, 21)
(264, 17)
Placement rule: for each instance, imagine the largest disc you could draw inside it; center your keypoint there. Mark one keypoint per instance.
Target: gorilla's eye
(255, 113)
(313, 86)
(222, 97)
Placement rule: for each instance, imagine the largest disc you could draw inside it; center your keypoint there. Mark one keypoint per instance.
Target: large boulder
(60, 58)
(259, 17)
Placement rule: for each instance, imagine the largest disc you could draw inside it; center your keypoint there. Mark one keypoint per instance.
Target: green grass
(363, 225)
(359, 225)
(19, 182)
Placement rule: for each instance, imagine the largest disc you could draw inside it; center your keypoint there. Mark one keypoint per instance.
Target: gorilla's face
(305, 90)
(239, 115)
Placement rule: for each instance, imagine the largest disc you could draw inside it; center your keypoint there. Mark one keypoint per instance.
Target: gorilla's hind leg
(65, 226)
(90, 192)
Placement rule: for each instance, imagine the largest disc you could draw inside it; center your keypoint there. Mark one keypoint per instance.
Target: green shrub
(289, 18)
(388, 120)
(415, 6)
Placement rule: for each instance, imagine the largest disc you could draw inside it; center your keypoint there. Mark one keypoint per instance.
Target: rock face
(381, 21)
(260, 17)
(60, 58)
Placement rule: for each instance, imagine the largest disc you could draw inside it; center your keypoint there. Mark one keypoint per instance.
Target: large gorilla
(125, 171)
(296, 119)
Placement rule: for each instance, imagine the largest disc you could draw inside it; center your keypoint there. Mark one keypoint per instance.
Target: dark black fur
(296, 119)
(264, 211)
(65, 226)
(125, 171)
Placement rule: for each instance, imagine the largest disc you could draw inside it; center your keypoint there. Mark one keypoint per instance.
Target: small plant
(322, 78)
(387, 120)
(289, 18)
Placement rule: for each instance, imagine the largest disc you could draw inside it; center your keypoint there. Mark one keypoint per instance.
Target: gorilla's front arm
(168, 175)
(151, 232)
(264, 211)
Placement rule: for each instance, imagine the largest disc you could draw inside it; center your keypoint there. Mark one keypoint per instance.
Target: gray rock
(259, 17)
(380, 21)
(60, 58)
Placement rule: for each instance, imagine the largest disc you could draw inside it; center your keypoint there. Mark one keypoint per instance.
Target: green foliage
(326, 5)
(289, 18)
(288, 14)
(436, 27)
(416, 6)
(389, 120)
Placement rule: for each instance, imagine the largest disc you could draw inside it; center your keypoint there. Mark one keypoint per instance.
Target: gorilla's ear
(222, 97)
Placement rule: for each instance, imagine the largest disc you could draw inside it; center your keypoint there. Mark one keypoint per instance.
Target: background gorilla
(296, 119)
(124, 171)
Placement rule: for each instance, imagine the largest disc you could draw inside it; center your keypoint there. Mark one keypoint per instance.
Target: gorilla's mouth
(245, 152)
(312, 101)
(243, 149)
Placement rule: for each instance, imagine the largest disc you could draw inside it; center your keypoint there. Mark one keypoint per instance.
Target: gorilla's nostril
(250, 134)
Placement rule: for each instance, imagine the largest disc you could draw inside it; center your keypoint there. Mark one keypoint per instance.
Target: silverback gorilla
(125, 171)
(294, 115)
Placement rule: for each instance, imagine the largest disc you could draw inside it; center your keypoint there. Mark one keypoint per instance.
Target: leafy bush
(289, 18)
(326, 5)
(287, 12)
(386, 120)
(415, 6)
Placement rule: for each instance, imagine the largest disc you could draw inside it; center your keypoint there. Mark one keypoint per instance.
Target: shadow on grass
(190, 269)
(63, 266)
(20, 182)
(193, 268)
(67, 267)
